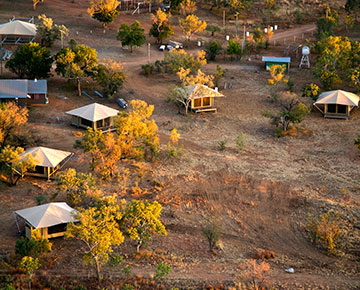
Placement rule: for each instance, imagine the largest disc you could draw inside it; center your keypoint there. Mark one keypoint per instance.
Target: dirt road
(299, 30)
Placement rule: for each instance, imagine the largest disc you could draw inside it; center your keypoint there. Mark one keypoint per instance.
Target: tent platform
(205, 110)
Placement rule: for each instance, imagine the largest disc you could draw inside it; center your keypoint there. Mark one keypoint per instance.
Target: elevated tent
(47, 160)
(201, 97)
(17, 32)
(49, 220)
(337, 104)
(37, 90)
(95, 116)
(271, 60)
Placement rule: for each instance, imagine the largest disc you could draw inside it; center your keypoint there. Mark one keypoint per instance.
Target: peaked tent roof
(338, 97)
(47, 215)
(18, 27)
(45, 157)
(93, 112)
(200, 91)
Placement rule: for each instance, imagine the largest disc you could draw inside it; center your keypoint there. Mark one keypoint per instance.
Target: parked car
(175, 44)
(122, 103)
(162, 47)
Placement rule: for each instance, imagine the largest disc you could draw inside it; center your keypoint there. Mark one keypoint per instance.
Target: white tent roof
(45, 157)
(18, 27)
(200, 91)
(93, 112)
(48, 215)
(338, 97)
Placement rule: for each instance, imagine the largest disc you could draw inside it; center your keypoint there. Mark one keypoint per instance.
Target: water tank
(305, 50)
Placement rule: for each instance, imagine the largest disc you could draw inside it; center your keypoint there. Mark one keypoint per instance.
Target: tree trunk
(98, 274)
(138, 246)
(78, 85)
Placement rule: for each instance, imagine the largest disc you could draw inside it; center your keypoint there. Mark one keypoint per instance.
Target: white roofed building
(17, 32)
(95, 116)
(337, 104)
(49, 220)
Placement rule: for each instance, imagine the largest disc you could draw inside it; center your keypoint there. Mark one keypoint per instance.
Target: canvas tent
(17, 32)
(47, 160)
(337, 104)
(201, 98)
(49, 220)
(95, 116)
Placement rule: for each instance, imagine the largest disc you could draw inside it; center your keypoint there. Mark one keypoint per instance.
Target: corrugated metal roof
(276, 59)
(13, 89)
(37, 87)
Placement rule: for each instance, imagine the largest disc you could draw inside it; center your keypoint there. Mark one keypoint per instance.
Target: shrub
(162, 270)
(40, 199)
(241, 141)
(33, 247)
(233, 49)
(213, 50)
(299, 17)
(128, 287)
(222, 145)
(311, 90)
(211, 232)
(264, 254)
(213, 28)
(325, 230)
(357, 141)
(148, 69)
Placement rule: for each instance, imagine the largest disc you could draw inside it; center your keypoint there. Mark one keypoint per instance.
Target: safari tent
(337, 104)
(17, 32)
(47, 160)
(47, 220)
(95, 116)
(201, 98)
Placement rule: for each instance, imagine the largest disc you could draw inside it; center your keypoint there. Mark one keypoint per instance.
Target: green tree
(141, 220)
(34, 247)
(191, 24)
(13, 166)
(214, 50)
(81, 188)
(104, 11)
(75, 63)
(233, 49)
(177, 59)
(132, 35)
(29, 265)
(12, 120)
(30, 61)
(353, 6)
(213, 28)
(98, 231)
(136, 132)
(110, 76)
(49, 32)
(161, 28)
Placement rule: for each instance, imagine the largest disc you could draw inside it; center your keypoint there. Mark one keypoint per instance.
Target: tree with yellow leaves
(136, 133)
(48, 32)
(173, 147)
(13, 166)
(12, 120)
(200, 78)
(278, 79)
(187, 7)
(104, 11)
(192, 24)
(161, 28)
(141, 220)
(178, 59)
(36, 2)
(98, 230)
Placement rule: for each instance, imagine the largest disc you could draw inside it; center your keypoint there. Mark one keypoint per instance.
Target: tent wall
(37, 99)
(199, 103)
(46, 233)
(98, 125)
(337, 111)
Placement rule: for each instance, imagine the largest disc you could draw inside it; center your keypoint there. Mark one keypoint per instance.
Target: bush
(241, 141)
(213, 50)
(211, 232)
(233, 49)
(40, 199)
(148, 69)
(299, 17)
(311, 90)
(222, 145)
(162, 270)
(325, 230)
(264, 254)
(33, 247)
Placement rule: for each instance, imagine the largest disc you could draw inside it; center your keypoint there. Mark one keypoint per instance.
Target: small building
(95, 116)
(337, 104)
(48, 161)
(271, 60)
(24, 91)
(201, 98)
(17, 32)
(46, 220)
